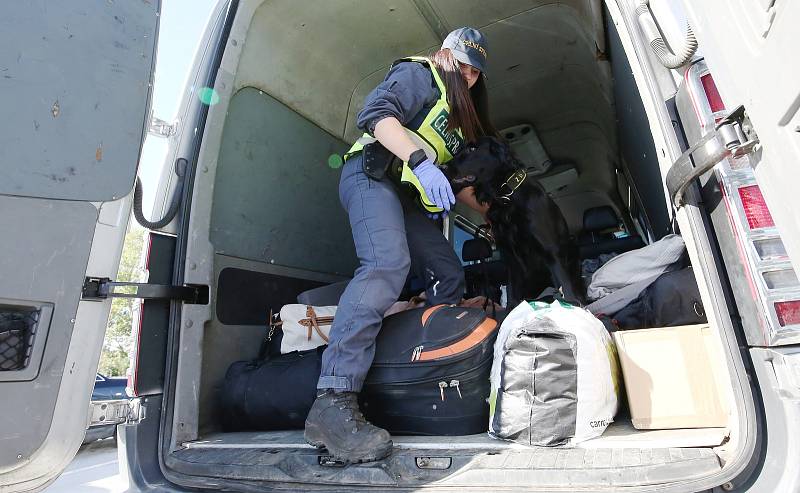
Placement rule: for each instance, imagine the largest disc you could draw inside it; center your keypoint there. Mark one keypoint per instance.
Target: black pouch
(376, 160)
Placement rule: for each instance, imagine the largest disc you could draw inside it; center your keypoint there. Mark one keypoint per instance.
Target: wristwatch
(416, 158)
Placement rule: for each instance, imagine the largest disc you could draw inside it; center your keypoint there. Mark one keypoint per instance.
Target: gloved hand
(435, 184)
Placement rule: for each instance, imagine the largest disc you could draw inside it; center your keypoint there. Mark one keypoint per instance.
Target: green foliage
(114, 359)
(113, 363)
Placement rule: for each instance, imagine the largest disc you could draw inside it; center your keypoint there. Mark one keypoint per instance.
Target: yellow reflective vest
(429, 133)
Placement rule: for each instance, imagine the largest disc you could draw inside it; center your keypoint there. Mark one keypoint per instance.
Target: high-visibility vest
(429, 132)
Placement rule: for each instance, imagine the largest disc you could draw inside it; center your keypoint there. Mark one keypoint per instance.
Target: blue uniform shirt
(407, 89)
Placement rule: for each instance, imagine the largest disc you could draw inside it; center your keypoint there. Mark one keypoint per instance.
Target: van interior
(267, 220)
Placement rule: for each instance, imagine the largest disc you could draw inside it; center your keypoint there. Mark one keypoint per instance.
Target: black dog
(527, 225)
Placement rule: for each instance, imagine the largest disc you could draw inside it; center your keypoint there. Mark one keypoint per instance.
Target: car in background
(105, 389)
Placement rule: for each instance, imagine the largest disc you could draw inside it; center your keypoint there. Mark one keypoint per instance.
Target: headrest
(599, 218)
(476, 249)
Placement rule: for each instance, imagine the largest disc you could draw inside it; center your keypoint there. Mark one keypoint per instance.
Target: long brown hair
(469, 108)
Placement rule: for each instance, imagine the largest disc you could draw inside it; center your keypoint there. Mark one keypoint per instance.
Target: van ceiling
(544, 66)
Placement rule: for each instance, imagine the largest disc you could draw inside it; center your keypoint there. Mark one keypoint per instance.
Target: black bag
(430, 374)
(274, 393)
(673, 299)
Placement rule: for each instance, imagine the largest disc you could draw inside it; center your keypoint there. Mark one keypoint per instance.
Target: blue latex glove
(435, 184)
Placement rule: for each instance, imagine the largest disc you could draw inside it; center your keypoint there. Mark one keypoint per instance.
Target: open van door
(75, 85)
(750, 47)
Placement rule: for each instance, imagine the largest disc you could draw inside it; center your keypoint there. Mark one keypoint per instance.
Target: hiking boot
(336, 423)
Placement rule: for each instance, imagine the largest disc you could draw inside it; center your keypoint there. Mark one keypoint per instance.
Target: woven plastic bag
(555, 376)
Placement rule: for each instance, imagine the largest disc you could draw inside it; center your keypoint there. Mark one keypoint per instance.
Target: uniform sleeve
(407, 88)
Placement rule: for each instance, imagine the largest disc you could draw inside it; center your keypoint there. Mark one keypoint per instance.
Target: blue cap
(468, 46)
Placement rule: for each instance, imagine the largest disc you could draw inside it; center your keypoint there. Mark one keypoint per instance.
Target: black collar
(511, 184)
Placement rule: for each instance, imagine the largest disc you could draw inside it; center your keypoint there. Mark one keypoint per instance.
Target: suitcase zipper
(464, 375)
(417, 351)
(454, 383)
(442, 386)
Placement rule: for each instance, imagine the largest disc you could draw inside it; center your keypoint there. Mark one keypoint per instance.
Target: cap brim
(465, 58)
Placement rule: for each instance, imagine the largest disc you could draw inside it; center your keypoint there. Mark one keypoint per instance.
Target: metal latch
(100, 288)
(108, 412)
(113, 412)
(732, 141)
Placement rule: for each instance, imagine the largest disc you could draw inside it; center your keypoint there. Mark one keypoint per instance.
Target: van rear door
(75, 85)
(750, 47)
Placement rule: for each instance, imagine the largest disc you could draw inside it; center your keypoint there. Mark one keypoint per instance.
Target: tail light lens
(755, 208)
(712, 94)
(770, 249)
(779, 279)
(788, 312)
(770, 280)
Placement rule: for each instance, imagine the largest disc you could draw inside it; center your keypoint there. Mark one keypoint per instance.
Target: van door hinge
(161, 128)
(114, 412)
(732, 137)
(100, 288)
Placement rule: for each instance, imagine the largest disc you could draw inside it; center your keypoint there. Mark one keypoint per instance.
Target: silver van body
(78, 79)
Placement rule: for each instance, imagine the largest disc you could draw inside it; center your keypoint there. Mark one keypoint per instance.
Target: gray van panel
(42, 240)
(275, 197)
(74, 86)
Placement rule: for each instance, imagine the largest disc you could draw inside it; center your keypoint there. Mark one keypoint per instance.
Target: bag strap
(273, 322)
(314, 322)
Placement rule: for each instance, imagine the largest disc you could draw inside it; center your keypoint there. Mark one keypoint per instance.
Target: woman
(442, 101)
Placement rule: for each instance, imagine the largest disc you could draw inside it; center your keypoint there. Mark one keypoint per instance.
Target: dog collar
(511, 184)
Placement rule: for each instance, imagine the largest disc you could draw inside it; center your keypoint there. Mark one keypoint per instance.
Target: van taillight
(788, 312)
(755, 208)
(770, 280)
(712, 94)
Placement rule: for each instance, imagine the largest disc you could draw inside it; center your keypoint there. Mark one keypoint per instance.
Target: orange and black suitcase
(430, 374)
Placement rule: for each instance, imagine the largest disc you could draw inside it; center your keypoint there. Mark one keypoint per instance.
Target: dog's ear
(507, 156)
(502, 151)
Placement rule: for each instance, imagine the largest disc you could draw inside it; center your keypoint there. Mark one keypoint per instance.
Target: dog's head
(485, 164)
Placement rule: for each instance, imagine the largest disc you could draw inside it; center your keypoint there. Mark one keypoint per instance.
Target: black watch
(416, 158)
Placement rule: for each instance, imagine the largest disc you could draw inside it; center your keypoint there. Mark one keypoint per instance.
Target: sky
(182, 25)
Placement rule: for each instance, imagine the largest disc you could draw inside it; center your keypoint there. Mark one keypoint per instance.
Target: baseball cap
(468, 46)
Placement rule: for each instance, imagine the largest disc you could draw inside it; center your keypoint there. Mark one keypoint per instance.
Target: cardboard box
(674, 377)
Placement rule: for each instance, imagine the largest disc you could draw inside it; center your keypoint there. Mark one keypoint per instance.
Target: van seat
(488, 274)
(597, 237)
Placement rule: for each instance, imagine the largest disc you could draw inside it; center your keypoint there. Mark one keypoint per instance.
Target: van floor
(623, 456)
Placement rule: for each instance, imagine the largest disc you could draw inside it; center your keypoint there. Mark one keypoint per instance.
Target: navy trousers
(392, 238)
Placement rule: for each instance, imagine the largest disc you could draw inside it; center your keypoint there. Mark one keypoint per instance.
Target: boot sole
(341, 455)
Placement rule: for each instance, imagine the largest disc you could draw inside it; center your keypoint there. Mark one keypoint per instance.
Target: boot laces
(347, 402)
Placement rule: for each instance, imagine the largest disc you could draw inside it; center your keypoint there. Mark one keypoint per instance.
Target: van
(709, 149)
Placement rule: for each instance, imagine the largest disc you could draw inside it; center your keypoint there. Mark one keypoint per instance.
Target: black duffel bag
(272, 393)
(672, 299)
(430, 374)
